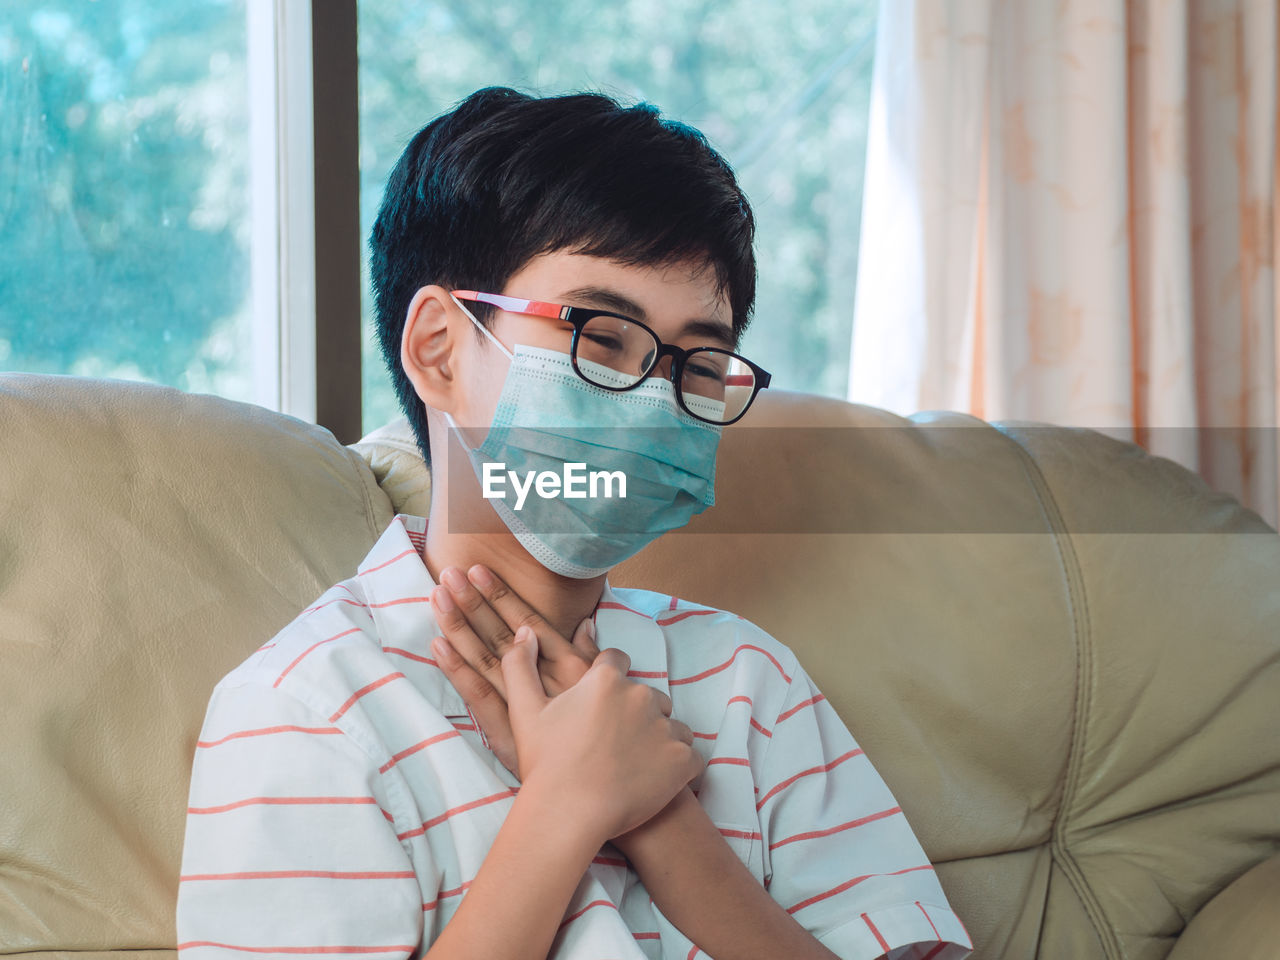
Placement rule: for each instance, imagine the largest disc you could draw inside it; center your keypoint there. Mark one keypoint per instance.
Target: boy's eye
(702, 368)
(603, 340)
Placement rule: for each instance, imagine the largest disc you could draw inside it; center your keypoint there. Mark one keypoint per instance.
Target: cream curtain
(1070, 215)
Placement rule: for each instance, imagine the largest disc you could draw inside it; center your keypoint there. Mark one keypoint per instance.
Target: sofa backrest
(1062, 654)
(1076, 710)
(149, 541)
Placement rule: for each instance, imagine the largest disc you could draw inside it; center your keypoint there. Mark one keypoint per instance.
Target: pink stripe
(281, 802)
(693, 952)
(593, 903)
(735, 761)
(728, 663)
(648, 674)
(852, 883)
(387, 563)
(812, 834)
(434, 821)
(339, 586)
(264, 731)
(400, 948)
(667, 621)
(672, 604)
(934, 952)
(329, 603)
(609, 861)
(804, 773)
(884, 944)
(797, 708)
(392, 603)
(648, 935)
(410, 751)
(303, 875)
(445, 895)
(614, 605)
(740, 834)
(298, 660)
(367, 688)
(411, 656)
(930, 919)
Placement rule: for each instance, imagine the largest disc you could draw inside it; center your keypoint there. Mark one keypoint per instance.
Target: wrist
(574, 821)
(666, 825)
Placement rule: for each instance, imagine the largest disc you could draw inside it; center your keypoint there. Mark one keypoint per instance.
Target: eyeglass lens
(614, 352)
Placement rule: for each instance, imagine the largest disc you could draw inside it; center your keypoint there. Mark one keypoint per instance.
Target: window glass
(780, 89)
(123, 191)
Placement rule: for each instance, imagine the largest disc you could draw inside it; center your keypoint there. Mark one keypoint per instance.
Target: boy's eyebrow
(612, 300)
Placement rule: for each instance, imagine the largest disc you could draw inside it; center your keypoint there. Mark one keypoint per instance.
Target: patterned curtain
(1070, 216)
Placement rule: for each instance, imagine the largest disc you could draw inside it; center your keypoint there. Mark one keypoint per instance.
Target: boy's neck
(563, 601)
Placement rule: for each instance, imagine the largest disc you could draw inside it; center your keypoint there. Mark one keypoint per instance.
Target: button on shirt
(343, 799)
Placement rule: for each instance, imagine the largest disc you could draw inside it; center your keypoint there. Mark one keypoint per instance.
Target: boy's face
(682, 304)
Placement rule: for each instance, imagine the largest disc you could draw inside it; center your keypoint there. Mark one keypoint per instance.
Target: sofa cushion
(1062, 654)
(149, 541)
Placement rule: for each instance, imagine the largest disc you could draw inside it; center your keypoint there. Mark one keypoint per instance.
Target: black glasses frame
(579, 317)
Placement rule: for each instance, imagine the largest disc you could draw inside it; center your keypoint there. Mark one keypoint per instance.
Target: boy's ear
(426, 346)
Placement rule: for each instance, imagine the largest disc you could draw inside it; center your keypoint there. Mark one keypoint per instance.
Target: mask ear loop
(483, 329)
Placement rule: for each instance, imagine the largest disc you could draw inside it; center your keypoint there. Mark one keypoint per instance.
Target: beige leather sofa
(1063, 655)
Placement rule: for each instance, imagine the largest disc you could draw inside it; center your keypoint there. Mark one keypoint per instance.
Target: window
(782, 90)
(124, 192)
(151, 232)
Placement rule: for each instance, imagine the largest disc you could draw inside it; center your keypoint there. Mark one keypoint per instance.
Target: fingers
(457, 630)
(470, 684)
(486, 704)
(584, 639)
(520, 671)
(511, 611)
(613, 658)
(681, 731)
(483, 617)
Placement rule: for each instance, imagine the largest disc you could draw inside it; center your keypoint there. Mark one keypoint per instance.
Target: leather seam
(1085, 681)
(363, 476)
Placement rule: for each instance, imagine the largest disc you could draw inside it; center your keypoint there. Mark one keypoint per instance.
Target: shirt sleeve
(838, 853)
(289, 845)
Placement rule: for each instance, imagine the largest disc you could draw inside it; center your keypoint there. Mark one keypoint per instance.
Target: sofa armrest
(1241, 922)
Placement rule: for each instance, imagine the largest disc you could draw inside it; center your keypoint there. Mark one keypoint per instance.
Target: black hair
(503, 177)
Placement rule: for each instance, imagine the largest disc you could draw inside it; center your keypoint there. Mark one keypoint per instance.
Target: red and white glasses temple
(617, 353)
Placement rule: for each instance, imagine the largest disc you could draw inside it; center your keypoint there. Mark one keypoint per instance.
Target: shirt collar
(620, 625)
(399, 587)
(398, 590)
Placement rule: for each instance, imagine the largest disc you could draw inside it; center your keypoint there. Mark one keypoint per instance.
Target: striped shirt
(342, 798)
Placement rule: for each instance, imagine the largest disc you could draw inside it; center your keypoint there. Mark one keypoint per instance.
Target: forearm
(514, 907)
(702, 887)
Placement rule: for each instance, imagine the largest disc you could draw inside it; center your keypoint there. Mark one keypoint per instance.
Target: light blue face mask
(548, 416)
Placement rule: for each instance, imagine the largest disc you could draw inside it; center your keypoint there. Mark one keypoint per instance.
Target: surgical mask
(548, 416)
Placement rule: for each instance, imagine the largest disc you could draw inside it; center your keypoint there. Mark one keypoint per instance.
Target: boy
(422, 763)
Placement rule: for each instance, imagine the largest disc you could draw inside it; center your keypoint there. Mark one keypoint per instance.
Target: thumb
(520, 673)
(584, 639)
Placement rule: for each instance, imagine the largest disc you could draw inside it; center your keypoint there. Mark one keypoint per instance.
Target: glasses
(618, 353)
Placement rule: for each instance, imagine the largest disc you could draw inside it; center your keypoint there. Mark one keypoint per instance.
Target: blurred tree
(781, 89)
(123, 159)
(123, 191)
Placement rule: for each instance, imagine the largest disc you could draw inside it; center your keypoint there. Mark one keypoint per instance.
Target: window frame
(305, 210)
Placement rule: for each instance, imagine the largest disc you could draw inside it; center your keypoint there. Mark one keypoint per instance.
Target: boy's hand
(606, 751)
(478, 615)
